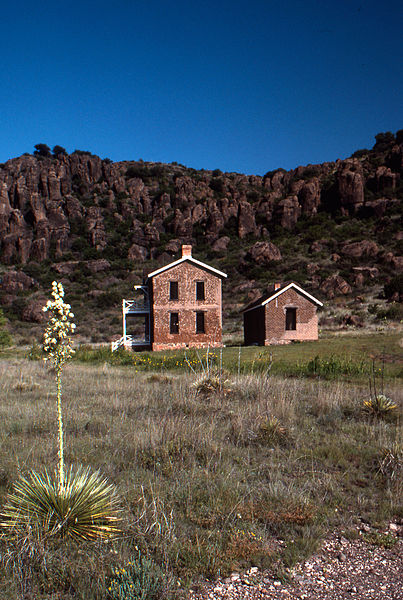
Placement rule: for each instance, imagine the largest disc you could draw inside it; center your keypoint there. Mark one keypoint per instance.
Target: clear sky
(243, 86)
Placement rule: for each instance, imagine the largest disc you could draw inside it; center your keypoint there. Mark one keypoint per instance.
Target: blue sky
(240, 86)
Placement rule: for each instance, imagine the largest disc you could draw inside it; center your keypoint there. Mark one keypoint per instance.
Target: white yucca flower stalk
(58, 350)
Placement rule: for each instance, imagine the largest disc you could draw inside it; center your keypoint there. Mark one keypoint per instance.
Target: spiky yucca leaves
(271, 431)
(379, 406)
(84, 508)
(211, 382)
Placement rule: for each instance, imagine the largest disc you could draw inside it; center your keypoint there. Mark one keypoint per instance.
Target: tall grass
(210, 483)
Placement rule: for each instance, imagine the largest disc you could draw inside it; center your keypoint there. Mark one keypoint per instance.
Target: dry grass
(206, 486)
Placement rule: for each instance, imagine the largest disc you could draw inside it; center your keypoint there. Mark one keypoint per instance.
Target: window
(173, 290)
(291, 319)
(200, 290)
(174, 323)
(200, 322)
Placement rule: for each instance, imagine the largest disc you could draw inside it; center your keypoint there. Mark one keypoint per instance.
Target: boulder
(262, 253)
(352, 320)
(137, 253)
(309, 196)
(394, 261)
(244, 286)
(365, 248)
(312, 268)
(173, 246)
(246, 219)
(351, 186)
(65, 268)
(366, 272)
(13, 282)
(101, 264)
(287, 212)
(221, 244)
(33, 311)
(334, 285)
(96, 229)
(319, 245)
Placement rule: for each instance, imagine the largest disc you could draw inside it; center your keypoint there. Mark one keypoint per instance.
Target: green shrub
(394, 285)
(384, 540)
(333, 367)
(82, 153)
(140, 579)
(59, 151)
(394, 312)
(360, 153)
(5, 337)
(42, 150)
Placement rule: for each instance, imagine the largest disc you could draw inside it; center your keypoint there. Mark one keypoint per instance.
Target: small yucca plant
(271, 431)
(85, 508)
(379, 406)
(207, 384)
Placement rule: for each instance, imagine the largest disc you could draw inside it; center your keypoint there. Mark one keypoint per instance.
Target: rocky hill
(334, 227)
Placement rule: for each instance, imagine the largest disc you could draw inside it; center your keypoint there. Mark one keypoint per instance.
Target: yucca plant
(85, 508)
(379, 406)
(78, 504)
(271, 431)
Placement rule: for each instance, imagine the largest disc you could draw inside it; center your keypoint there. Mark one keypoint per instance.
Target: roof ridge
(183, 259)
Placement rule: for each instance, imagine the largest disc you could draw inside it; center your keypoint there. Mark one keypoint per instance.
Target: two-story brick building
(181, 306)
(286, 313)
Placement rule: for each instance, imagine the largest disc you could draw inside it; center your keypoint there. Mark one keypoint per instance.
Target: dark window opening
(200, 327)
(291, 319)
(200, 290)
(174, 323)
(173, 290)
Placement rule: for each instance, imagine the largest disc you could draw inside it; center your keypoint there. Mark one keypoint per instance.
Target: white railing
(131, 306)
(125, 340)
(128, 341)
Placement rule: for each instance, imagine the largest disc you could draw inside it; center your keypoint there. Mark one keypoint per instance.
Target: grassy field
(332, 356)
(256, 473)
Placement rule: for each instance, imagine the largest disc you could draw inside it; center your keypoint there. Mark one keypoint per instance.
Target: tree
(59, 151)
(5, 337)
(399, 136)
(42, 150)
(383, 140)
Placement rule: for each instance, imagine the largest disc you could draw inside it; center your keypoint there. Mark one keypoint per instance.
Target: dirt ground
(342, 569)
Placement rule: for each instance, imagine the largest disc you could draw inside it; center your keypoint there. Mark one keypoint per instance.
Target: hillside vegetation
(99, 226)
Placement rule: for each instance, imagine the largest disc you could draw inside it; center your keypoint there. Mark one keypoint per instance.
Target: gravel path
(342, 569)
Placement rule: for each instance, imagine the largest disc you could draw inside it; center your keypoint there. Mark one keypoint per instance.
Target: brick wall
(186, 274)
(306, 318)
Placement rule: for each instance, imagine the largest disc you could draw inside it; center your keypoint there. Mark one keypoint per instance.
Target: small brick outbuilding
(181, 306)
(286, 313)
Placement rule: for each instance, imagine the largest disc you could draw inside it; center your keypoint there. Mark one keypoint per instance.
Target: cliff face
(46, 205)
(334, 228)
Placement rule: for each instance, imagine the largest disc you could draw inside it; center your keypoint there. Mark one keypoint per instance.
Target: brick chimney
(186, 250)
(277, 286)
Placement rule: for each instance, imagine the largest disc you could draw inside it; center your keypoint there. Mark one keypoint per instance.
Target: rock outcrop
(262, 253)
(52, 207)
